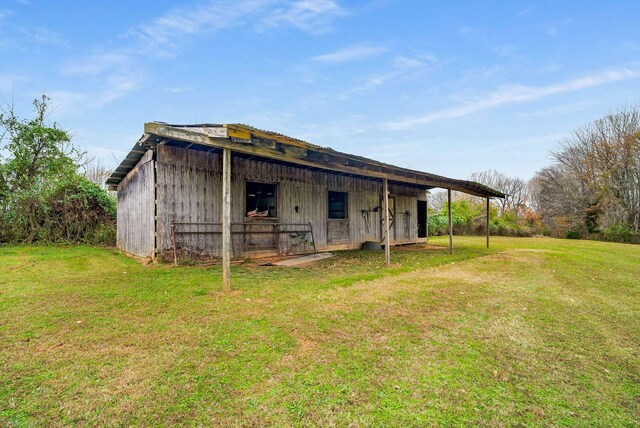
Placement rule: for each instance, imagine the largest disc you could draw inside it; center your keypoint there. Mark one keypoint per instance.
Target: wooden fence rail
(292, 232)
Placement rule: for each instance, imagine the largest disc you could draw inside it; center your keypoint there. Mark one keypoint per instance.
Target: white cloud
(555, 29)
(370, 84)
(43, 36)
(311, 16)
(68, 102)
(629, 45)
(165, 35)
(5, 13)
(561, 109)
(96, 64)
(351, 53)
(526, 11)
(406, 63)
(117, 85)
(402, 67)
(514, 94)
(178, 89)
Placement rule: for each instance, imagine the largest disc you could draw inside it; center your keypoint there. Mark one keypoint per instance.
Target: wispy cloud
(402, 62)
(68, 102)
(96, 64)
(402, 66)
(4, 14)
(178, 89)
(561, 109)
(312, 16)
(526, 11)
(555, 29)
(629, 45)
(43, 36)
(163, 37)
(118, 85)
(351, 53)
(166, 33)
(514, 94)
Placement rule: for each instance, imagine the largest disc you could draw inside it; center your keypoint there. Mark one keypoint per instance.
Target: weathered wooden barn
(281, 195)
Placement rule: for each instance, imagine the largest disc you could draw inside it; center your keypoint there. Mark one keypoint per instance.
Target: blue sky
(445, 87)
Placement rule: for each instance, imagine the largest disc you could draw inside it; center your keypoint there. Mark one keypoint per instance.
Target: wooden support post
(226, 219)
(488, 230)
(387, 239)
(426, 207)
(313, 240)
(450, 223)
(173, 240)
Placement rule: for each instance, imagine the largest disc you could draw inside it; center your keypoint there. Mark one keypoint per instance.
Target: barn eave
(248, 141)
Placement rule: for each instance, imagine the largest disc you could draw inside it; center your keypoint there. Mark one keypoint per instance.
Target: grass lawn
(531, 332)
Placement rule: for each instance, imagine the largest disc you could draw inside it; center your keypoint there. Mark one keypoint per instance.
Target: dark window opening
(422, 219)
(261, 200)
(338, 205)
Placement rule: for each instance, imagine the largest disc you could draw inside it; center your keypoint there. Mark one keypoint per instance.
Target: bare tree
(437, 200)
(595, 179)
(516, 189)
(97, 172)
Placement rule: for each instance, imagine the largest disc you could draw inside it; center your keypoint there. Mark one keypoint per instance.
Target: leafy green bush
(620, 232)
(42, 196)
(71, 210)
(438, 224)
(469, 218)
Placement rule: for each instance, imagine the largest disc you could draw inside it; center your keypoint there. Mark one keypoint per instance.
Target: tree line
(591, 190)
(51, 192)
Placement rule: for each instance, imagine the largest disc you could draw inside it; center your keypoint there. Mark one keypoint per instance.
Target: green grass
(533, 332)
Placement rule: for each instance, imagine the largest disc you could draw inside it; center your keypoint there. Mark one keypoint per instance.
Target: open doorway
(422, 219)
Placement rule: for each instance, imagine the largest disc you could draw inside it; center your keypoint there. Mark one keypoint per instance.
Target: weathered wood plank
(387, 240)
(135, 217)
(226, 220)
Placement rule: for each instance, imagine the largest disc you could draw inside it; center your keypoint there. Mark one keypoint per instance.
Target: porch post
(487, 222)
(387, 240)
(426, 205)
(450, 223)
(226, 219)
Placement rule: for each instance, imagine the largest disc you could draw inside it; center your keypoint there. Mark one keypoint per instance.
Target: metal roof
(250, 141)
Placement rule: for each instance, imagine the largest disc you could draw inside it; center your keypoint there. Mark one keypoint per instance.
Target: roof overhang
(254, 142)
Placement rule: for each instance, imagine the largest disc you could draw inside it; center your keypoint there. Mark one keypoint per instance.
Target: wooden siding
(136, 209)
(189, 190)
(338, 232)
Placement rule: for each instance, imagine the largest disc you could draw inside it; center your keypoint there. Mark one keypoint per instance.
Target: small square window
(338, 205)
(261, 200)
